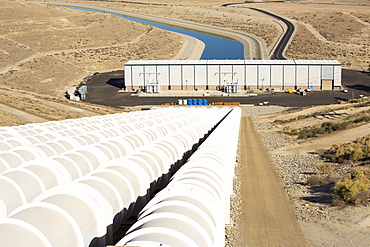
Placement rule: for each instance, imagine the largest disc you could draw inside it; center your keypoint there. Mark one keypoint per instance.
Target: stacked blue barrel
(197, 102)
(82, 90)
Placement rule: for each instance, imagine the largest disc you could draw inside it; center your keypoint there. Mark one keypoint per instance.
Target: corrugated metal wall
(215, 74)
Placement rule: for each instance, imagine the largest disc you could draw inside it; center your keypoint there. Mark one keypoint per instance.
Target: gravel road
(322, 223)
(268, 216)
(261, 211)
(26, 116)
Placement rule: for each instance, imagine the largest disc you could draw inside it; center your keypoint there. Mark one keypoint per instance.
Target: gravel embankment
(232, 232)
(261, 110)
(323, 223)
(293, 170)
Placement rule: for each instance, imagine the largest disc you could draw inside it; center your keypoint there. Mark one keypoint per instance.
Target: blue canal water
(216, 48)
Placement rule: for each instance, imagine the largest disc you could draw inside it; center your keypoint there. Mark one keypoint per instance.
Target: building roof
(232, 62)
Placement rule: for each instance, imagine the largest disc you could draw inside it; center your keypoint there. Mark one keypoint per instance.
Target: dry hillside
(339, 31)
(46, 49)
(308, 178)
(327, 31)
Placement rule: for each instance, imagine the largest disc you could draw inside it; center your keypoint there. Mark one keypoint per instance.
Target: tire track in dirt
(39, 54)
(26, 116)
(326, 141)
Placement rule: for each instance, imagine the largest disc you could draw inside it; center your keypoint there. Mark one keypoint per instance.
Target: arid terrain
(43, 46)
(339, 31)
(46, 49)
(324, 222)
(328, 31)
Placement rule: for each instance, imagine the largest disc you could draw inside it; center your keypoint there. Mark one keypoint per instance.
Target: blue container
(190, 102)
(82, 89)
(205, 102)
(199, 102)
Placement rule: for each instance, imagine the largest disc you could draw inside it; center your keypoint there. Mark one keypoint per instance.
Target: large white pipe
(16, 232)
(201, 185)
(53, 220)
(114, 171)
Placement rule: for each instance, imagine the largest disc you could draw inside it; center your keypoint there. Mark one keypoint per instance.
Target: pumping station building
(232, 76)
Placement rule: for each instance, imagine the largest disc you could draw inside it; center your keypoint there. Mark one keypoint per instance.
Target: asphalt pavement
(104, 89)
(278, 52)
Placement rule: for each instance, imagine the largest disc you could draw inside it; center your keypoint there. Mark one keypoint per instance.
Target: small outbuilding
(232, 75)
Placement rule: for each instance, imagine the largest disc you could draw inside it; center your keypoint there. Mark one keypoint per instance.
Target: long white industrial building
(232, 75)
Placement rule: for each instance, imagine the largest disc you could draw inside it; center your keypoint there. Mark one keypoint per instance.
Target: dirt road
(26, 116)
(324, 142)
(268, 218)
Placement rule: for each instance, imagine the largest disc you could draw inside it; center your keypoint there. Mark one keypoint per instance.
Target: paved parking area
(103, 89)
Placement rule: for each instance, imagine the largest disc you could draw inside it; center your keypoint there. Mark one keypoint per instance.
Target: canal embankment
(192, 49)
(253, 46)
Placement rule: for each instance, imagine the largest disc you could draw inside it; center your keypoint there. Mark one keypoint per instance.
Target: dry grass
(338, 32)
(45, 75)
(47, 107)
(11, 54)
(239, 19)
(11, 120)
(98, 59)
(353, 58)
(93, 29)
(325, 31)
(36, 106)
(55, 48)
